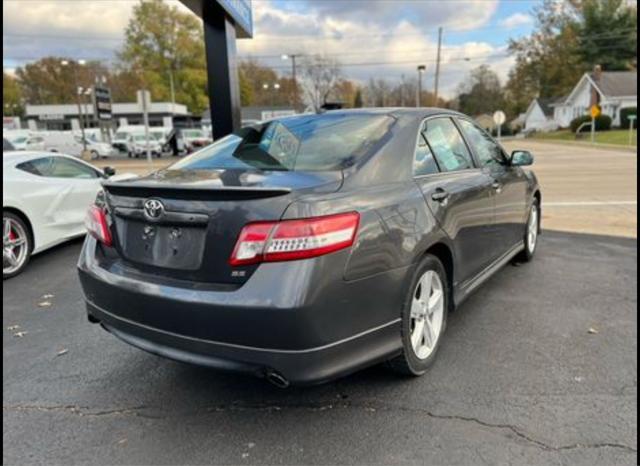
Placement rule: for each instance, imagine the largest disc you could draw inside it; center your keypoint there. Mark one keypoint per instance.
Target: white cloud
(392, 37)
(389, 54)
(516, 20)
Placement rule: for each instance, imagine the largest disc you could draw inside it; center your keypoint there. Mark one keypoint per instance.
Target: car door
(68, 187)
(509, 185)
(457, 192)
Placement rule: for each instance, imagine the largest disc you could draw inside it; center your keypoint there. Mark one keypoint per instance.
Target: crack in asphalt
(78, 410)
(371, 407)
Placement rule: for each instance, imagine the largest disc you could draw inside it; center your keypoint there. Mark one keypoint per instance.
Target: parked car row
(130, 140)
(66, 142)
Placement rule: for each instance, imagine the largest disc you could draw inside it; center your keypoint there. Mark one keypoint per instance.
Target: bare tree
(378, 92)
(319, 77)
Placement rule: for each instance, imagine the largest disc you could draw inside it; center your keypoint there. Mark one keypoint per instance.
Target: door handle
(440, 195)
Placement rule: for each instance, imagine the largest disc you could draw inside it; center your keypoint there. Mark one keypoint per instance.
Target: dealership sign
(102, 103)
(51, 117)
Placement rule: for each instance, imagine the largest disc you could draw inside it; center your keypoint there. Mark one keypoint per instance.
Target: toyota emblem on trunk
(153, 208)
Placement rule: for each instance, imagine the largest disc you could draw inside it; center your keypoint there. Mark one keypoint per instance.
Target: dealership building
(65, 117)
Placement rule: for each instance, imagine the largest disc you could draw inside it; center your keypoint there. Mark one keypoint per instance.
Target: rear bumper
(308, 334)
(300, 367)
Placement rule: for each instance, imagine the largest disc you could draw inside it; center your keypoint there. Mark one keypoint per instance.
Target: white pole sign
(499, 118)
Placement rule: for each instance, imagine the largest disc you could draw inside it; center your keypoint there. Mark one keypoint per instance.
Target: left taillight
(96, 223)
(294, 239)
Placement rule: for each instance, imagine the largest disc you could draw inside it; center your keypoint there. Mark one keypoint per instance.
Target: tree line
(163, 51)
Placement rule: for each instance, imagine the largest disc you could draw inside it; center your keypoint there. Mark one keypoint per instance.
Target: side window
(424, 163)
(65, 168)
(488, 152)
(447, 145)
(39, 167)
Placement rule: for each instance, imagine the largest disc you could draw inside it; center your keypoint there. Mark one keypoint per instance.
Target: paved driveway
(520, 379)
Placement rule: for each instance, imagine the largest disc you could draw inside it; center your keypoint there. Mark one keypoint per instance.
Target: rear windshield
(304, 143)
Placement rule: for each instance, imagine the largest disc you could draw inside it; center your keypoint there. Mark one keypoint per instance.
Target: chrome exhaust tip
(276, 379)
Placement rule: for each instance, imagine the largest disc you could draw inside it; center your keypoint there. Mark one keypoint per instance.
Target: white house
(612, 90)
(539, 116)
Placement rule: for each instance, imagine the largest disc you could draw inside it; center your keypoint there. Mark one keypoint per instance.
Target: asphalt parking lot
(538, 367)
(520, 379)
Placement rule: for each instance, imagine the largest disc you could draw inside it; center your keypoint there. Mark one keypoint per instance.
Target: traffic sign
(595, 111)
(499, 118)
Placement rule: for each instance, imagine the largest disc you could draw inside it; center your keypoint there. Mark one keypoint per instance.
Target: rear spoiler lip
(186, 187)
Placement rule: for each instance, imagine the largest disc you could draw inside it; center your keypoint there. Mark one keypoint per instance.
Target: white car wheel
(16, 245)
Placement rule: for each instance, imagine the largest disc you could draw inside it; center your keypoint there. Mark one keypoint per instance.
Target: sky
(369, 38)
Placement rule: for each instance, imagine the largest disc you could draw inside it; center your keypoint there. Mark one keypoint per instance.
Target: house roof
(545, 105)
(617, 83)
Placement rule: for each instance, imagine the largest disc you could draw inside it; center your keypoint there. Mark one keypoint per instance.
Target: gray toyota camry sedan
(308, 247)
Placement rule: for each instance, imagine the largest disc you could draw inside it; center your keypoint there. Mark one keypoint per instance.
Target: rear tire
(417, 355)
(531, 234)
(18, 231)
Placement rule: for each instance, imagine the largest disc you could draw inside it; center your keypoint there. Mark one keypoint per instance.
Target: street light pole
(173, 91)
(437, 79)
(78, 94)
(421, 69)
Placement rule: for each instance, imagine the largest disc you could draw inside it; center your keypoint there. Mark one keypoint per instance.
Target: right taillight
(96, 223)
(294, 239)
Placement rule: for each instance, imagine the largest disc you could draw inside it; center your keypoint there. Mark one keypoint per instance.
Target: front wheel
(531, 233)
(424, 318)
(17, 245)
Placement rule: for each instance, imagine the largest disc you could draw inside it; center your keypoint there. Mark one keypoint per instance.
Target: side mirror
(109, 171)
(521, 158)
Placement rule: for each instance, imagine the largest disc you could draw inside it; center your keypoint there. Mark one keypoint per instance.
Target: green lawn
(614, 136)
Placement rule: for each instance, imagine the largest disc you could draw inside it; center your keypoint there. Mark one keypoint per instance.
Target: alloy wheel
(15, 247)
(532, 229)
(427, 314)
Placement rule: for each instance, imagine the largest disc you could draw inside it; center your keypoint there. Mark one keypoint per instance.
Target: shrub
(505, 130)
(624, 117)
(603, 123)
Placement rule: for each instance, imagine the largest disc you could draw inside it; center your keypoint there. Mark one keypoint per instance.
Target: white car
(138, 145)
(45, 197)
(69, 143)
(18, 140)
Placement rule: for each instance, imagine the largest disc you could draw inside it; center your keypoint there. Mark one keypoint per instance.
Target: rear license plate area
(165, 246)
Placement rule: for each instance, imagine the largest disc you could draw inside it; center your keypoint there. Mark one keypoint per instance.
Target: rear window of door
(423, 162)
(447, 145)
(489, 153)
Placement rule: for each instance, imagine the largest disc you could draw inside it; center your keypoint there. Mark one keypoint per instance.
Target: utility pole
(293, 57)
(421, 69)
(437, 80)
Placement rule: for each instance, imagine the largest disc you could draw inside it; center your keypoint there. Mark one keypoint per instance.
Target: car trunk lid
(201, 213)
